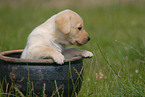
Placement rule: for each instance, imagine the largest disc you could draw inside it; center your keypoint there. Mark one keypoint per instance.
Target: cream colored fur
(50, 38)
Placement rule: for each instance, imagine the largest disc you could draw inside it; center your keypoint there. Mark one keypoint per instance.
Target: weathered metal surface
(41, 71)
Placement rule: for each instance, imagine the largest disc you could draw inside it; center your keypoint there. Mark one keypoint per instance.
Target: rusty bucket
(65, 79)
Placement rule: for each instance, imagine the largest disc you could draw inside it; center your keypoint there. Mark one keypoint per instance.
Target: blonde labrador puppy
(50, 38)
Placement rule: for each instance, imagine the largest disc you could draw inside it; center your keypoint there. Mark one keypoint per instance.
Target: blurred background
(19, 17)
(65, 3)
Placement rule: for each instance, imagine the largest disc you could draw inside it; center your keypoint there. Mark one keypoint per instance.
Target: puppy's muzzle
(80, 43)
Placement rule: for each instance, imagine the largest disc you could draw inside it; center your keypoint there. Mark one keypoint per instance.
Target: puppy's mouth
(78, 44)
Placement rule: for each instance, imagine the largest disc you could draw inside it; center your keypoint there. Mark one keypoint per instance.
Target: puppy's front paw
(87, 54)
(59, 58)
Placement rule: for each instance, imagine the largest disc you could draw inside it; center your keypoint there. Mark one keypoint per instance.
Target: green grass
(117, 40)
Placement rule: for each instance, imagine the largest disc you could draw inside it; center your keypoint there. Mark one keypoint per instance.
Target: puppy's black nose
(88, 38)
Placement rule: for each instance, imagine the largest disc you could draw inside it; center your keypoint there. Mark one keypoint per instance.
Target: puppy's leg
(70, 52)
(46, 52)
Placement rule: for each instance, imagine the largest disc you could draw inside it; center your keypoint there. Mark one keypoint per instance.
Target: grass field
(117, 34)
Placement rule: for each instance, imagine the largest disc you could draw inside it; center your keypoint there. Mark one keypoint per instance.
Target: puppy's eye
(80, 28)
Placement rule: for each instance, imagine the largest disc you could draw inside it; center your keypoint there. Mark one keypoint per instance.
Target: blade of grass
(1, 88)
(107, 60)
(33, 90)
(56, 89)
(17, 90)
(72, 79)
(68, 83)
(29, 87)
(79, 74)
(43, 90)
(4, 95)
(54, 92)
(119, 83)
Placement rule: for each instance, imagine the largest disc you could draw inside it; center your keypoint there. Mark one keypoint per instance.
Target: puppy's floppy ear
(63, 23)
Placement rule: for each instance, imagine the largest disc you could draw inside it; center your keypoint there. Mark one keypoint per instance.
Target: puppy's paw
(59, 58)
(87, 54)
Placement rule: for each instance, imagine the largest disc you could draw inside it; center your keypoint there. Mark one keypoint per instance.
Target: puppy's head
(71, 25)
